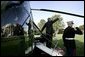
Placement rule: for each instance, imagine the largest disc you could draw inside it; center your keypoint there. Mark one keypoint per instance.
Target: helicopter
(20, 12)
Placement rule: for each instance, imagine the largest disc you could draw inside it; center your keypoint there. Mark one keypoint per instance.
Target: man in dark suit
(49, 31)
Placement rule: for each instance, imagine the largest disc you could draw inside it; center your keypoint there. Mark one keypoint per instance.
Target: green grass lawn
(79, 43)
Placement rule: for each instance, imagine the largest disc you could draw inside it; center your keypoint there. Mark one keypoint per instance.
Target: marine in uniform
(68, 38)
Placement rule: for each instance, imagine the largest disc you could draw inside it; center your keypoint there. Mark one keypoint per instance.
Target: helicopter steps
(47, 50)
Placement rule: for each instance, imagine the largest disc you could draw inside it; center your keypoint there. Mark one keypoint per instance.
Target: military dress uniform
(69, 41)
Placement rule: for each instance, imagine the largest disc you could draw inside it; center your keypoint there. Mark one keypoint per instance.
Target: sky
(75, 7)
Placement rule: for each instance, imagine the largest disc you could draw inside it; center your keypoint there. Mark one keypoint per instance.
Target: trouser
(71, 51)
(49, 41)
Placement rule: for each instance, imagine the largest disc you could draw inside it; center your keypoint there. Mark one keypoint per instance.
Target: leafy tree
(81, 27)
(58, 24)
(25, 32)
(36, 31)
(60, 31)
(41, 24)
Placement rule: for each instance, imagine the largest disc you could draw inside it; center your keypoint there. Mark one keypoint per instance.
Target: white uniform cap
(70, 22)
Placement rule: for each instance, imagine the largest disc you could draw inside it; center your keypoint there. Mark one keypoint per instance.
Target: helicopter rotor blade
(59, 12)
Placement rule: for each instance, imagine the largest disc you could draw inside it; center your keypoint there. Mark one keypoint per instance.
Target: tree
(58, 26)
(25, 33)
(36, 31)
(60, 31)
(81, 27)
(41, 24)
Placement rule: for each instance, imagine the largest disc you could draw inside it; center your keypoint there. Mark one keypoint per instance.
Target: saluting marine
(68, 38)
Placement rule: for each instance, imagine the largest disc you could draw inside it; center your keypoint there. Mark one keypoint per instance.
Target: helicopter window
(17, 14)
